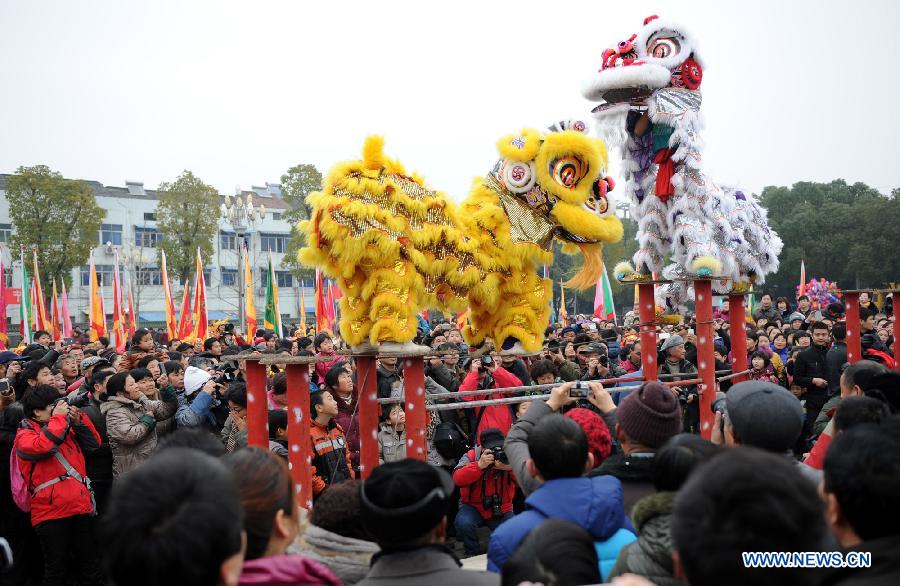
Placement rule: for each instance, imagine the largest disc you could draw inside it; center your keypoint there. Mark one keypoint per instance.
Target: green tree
(187, 216)
(57, 217)
(299, 181)
(844, 233)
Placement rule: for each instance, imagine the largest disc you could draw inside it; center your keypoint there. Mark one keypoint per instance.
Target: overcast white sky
(240, 91)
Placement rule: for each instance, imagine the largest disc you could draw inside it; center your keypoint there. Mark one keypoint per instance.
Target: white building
(130, 228)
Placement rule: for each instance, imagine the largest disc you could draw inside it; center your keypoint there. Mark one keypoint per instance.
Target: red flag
(329, 307)
(4, 340)
(55, 332)
(186, 323)
(118, 314)
(321, 314)
(201, 323)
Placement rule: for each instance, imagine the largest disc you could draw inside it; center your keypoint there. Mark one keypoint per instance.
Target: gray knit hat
(671, 342)
(764, 415)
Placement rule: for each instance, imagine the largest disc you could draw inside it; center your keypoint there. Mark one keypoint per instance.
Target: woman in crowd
(49, 451)
(339, 383)
(131, 421)
(271, 522)
(780, 346)
(234, 432)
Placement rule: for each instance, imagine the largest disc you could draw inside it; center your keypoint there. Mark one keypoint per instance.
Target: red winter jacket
(468, 477)
(499, 416)
(36, 446)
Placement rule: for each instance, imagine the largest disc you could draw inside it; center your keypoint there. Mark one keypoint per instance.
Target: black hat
(402, 501)
(7, 356)
(764, 415)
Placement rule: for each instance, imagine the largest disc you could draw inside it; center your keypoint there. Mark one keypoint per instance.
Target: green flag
(272, 320)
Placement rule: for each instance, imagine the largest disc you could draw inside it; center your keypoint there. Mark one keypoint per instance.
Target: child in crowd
(761, 368)
(392, 434)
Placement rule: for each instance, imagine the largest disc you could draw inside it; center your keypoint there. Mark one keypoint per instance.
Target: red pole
(257, 406)
(706, 360)
(647, 312)
(367, 379)
(299, 452)
(737, 322)
(854, 343)
(416, 415)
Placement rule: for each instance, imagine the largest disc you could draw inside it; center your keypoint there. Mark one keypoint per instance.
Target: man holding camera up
(596, 362)
(566, 369)
(487, 487)
(486, 373)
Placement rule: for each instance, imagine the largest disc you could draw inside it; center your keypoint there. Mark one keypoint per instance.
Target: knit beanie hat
(194, 378)
(650, 415)
(598, 438)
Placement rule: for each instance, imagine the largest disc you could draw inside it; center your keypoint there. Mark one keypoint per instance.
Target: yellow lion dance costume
(397, 247)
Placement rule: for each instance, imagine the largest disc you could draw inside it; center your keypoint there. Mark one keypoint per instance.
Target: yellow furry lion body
(396, 247)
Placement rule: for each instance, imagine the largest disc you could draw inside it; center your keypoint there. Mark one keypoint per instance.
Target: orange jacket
(330, 456)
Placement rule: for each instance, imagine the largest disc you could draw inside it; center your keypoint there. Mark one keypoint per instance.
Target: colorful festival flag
(118, 315)
(201, 323)
(272, 319)
(604, 307)
(40, 309)
(96, 314)
(563, 313)
(321, 316)
(249, 304)
(131, 323)
(25, 304)
(55, 330)
(171, 323)
(185, 323)
(66, 318)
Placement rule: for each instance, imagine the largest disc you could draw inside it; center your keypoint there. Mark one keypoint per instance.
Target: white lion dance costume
(396, 247)
(649, 92)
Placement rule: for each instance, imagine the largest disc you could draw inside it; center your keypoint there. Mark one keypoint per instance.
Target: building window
(146, 237)
(228, 241)
(5, 232)
(276, 216)
(148, 276)
(111, 233)
(284, 279)
(229, 277)
(273, 242)
(104, 275)
(149, 216)
(7, 278)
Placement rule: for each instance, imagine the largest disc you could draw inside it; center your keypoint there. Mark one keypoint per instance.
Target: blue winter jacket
(594, 504)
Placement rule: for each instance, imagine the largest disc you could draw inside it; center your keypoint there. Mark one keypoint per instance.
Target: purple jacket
(284, 570)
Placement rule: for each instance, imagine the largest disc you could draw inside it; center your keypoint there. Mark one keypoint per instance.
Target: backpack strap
(71, 472)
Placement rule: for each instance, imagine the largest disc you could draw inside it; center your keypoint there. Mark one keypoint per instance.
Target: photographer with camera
(597, 364)
(566, 369)
(487, 487)
(485, 373)
(49, 447)
(202, 404)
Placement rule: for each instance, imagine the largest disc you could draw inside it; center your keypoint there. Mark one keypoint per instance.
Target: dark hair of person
(268, 336)
(317, 342)
(174, 356)
(231, 350)
(802, 297)
(184, 347)
(781, 299)
(801, 334)
(315, 399)
(862, 470)
(173, 366)
(852, 411)
(447, 347)
(760, 354)
(753, 336)
(39, 397)
(542, 367)
(115, 385)
(303, 343)
(334, 374)
(555, 553)
(194, 438)
(279, 383)
(741, 500)
(839, 331)
(237, 394)
(138, 336)
(866, 312)
(208, 344)
(98, 376)
(285, 345)
(265, 488)
(173, 520)
(278, 419)
(558, 447)
(338, 510)
(139, 374)
(861, 373)
(677, 458)
(29, 373)
(40, 333)
(818, 326)
(12, 416)
(103, 340)
(146, 360)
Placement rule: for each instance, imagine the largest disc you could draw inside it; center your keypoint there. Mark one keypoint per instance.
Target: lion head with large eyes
(561, 176)
(661, 55)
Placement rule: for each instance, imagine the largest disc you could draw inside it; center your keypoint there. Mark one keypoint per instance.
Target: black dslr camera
(226, 376)
(493, 503)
